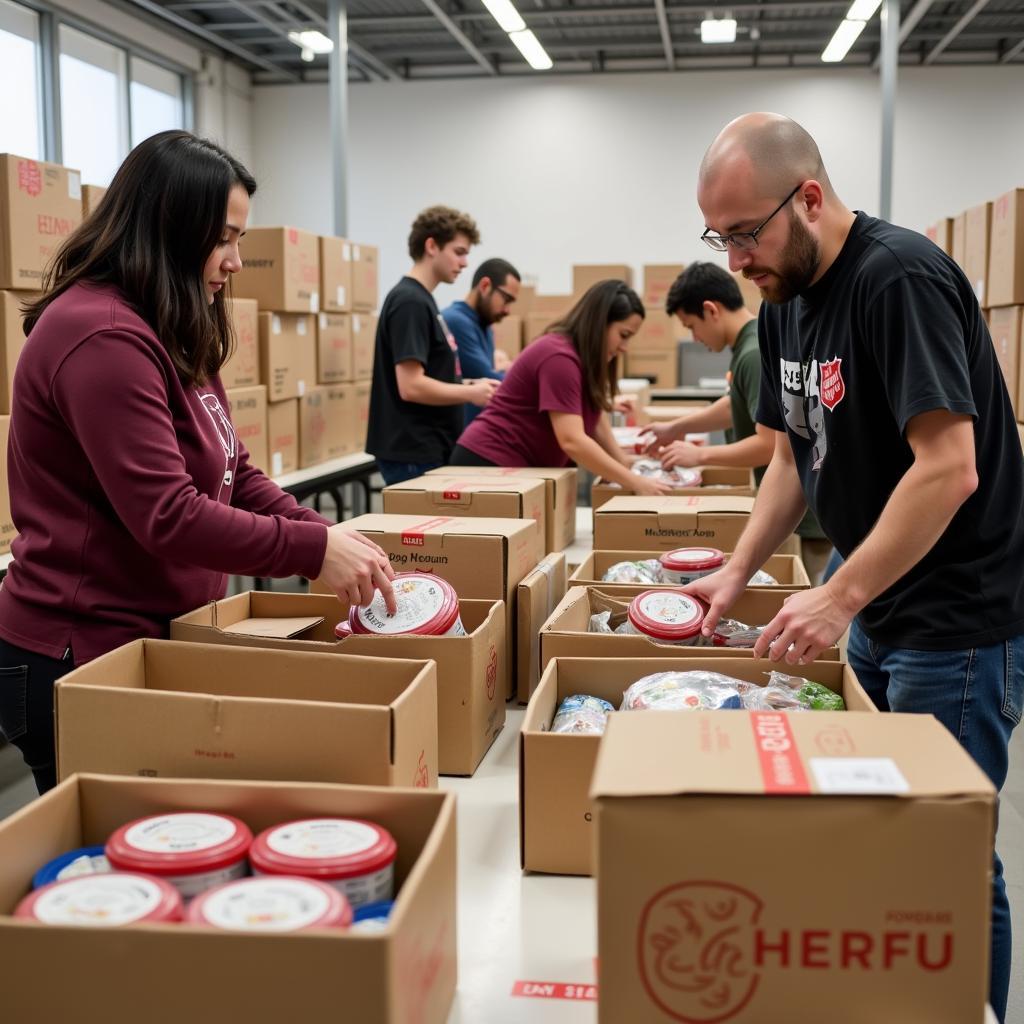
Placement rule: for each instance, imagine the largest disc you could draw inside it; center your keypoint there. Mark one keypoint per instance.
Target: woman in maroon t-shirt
(552, 407)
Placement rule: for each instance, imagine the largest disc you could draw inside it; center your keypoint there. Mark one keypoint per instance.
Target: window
(21, 103)
(93, 102)
(156, 100)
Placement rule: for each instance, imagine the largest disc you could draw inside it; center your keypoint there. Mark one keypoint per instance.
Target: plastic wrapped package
(582, 714)
(599, 623)
(762, 579)
(646, 571)
(733, 633)
(794, 693)
(697, 690)
(679, 476)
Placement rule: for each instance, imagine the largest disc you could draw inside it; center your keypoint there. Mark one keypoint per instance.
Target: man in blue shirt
(495, 288)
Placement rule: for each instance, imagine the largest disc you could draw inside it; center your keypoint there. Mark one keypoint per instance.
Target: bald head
(768, 153)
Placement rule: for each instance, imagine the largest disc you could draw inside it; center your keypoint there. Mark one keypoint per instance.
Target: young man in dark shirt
(893, 424)
(417, 393)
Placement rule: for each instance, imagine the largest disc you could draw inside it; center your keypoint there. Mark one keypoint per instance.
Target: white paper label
(323, 321)
(346, 253)
(180, 833)
(275, 324)
(341, 295)
(314, 302)
(355, 253)
(857, 775)
(357, 324)
(301, 387)
(276, 464)
(300, 327)
(322, 838)
(74, 185)
(106, 900)
(267, 904)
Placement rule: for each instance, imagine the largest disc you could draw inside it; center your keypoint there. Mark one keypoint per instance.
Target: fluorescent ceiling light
(840, 43)
(506, 15)
(718, 30)
(529, 46)
(315, 42)
(862, 10)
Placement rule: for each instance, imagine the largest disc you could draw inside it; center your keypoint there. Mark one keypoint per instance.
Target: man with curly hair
(417, 395)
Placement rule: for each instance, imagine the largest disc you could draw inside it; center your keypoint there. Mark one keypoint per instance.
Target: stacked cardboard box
(658, 279)
(585, 275)
(240, 375)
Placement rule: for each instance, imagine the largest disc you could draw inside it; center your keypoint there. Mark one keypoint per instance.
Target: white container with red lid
(684, 565)
(427, 606)
(192, 851)
(103, 901)
(667, 616)
(271, 904)
(357, 857)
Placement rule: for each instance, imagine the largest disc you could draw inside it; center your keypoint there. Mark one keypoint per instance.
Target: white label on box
(276, 464)
(323, 321)
(341, 295)
(357, 324)
(74, 185)
(346, 253)
(314, 302)
(301, 327)
(858, 775)
(275, 324)
(355, 253)
(301, 387)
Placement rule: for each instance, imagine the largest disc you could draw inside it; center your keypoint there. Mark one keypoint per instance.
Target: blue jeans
(396, 472)
(977, 695)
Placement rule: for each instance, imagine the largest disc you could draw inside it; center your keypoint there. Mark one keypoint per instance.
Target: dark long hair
(586, 325)
(151, 235)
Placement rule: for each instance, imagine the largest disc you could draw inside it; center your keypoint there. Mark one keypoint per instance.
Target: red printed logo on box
(293, 236)
(30, 179)
(492, 672)
(452, 495)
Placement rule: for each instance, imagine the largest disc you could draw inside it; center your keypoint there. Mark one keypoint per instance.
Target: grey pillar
(337, 24)
(890, 59)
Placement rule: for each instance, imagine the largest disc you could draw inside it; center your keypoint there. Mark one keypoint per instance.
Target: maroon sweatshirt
(131, 494)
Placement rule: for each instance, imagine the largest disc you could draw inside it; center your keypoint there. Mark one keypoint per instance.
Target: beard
(798, 263)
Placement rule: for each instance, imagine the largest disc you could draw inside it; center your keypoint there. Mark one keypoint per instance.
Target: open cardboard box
(804, 867)
(787, 569)
(537, 596)
(724, 481)
(187, 710)
(555, 811)
(471, 670)
(171, 973)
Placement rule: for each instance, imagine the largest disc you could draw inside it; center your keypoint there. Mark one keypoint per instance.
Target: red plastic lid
(666, 615)
(103, 901)
(179, 844)
(277, 903)
(690, 559)
(427, 606)
(325, 848)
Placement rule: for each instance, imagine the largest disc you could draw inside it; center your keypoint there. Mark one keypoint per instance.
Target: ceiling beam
(666, 35)
(967, 18)
(460, 37)
(908, 24)
(1012, 53)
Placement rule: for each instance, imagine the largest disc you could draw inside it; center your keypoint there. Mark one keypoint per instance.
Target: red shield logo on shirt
(832, 387)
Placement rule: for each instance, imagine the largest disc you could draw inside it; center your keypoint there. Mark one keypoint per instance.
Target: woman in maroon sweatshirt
(132, 495)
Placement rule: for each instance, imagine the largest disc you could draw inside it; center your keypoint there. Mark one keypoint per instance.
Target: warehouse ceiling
(418, 39)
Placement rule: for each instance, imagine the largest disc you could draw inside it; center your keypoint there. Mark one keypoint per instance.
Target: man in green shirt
(708, 302)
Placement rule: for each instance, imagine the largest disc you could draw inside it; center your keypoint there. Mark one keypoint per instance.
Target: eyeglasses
(509, 298)
(745, 240)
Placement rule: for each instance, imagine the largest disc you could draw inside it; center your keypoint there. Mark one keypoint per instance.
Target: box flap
(282, 629)
(797, 754)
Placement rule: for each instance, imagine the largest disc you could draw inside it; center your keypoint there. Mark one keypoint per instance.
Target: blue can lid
(380, 909)
(51, 872)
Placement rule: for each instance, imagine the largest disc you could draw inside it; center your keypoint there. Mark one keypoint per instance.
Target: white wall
(603, 168)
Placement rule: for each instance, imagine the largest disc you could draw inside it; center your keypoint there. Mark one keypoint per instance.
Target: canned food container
(373, 917)
(89, 860)
(357, 857)
(271, 904)
(667, 616)
(427, 606)
(192, 851)
(103, 901)
(684, 565)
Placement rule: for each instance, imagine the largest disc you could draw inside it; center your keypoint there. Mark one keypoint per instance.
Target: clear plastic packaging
(733, 633)
(582, 714)
(762, 579)
(794, 693)
(646, 571)
(679, 476)
(599, 623)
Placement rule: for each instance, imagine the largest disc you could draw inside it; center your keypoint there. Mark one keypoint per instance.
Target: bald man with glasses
(892, 422)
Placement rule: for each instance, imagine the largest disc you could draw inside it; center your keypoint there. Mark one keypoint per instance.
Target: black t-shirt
(411, 327)
(890, 331)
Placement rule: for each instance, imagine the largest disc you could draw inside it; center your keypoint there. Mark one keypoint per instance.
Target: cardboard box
(535, 325)
(789, 570)
(1004, 324)
(283, 436)
(658, 331)
(313, 427)
(554, 307)
(365, 277)
(242, 370)
(584, 275)
(941, 233)
(248, 408)
(659, 365)
(360, 414)
(662, 413)
(188, 710)
(658, 279)
(701, 822)
(467, 495)
(471, 670)
(555, 811)
(959, 240)
(663, 523)
(364, 341)
(724, 480)
(335, 274)
(1006, 250)
(405, 973)
(567, 634)
(537, 596)
(91, 196)
(482, 559)
(7, 530)
(12, 341)
(508, 335)
(40, 205)
(560, 486)
(280, 269)
(339, 399)
(334, 348)
(287, 354)
(977, 231)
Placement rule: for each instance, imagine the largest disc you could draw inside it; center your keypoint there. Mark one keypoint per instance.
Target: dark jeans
(26, 707)
(396, 472)
(978, 696)
(464, 457)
